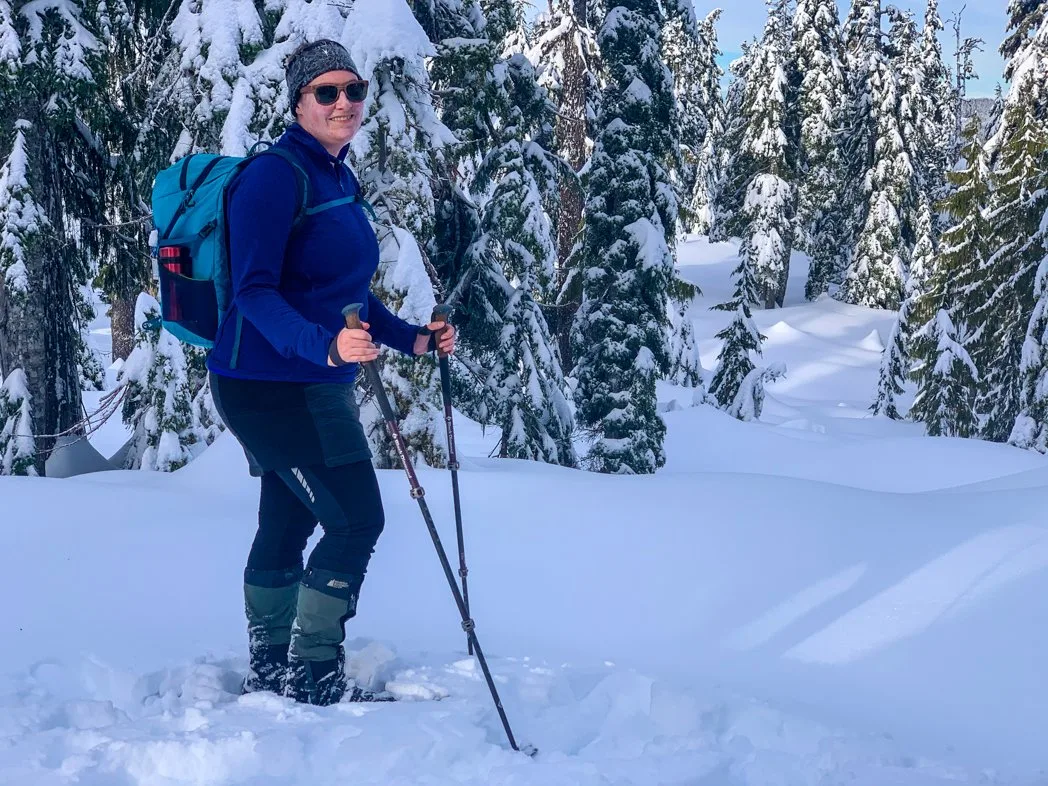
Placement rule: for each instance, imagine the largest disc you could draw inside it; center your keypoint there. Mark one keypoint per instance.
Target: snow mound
(872, 342)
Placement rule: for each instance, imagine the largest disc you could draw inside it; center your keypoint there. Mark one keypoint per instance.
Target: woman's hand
(445, 338)
(353, 346)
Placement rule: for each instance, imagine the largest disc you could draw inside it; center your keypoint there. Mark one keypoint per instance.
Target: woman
(282, 374)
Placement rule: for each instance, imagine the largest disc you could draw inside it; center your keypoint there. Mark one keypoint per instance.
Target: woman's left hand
(446, 335)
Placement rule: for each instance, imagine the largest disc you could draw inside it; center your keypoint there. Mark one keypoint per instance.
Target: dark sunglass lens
(356, 91)
(326, 94)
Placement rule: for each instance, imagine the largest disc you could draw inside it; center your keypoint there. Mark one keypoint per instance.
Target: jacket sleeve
(389, 329)
(261, 211)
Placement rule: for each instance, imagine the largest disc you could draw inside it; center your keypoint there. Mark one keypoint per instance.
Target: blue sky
(986, 19)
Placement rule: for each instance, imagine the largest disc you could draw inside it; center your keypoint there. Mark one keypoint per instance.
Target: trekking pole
(441, 314)
(352, 315)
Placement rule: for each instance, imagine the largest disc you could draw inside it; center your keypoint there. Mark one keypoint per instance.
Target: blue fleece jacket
(290, 286)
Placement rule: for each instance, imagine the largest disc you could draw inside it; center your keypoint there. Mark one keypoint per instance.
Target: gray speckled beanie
(313, 59)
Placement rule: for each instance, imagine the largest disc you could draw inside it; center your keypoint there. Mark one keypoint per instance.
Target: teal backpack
(191, 247)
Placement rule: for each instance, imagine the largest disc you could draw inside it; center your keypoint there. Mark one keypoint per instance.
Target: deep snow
(821, 597)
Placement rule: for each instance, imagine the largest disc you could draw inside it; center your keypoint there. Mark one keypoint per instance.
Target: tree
(947, 380)
(568, 61)
(631, 212)
(17, 443)
(53, 66)
(727, 219)
(817, 68)
(1006, 290)
(138, 128)
(742, 341)
(524, 387)
(939, 97)
(896, 356)
(769, 203)
(394, 151)
(158, 403)
(878, 268)
(681, 51)
(710, 156)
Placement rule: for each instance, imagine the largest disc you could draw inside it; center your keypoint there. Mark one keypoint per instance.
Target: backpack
(191, 246)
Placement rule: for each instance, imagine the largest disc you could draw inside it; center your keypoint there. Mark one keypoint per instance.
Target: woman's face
(335, 124)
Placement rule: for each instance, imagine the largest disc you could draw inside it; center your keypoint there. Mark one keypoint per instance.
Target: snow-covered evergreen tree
(710, 156)
(732, 377)
(525, 384)
(895, 358)
(505, 21)
(22, 226)
(938, 96)
(394, 153)
(567, 58)
(619, 332)
(139, 127)
(53, 73)
(768, 206)
(231, 62)
(1030, 429)
(946, 386)
(679, 41)
(206, 421)
(947, 380)
(158, 405)
(877, 270)
(728, 219)
(1009, 279)
(17, 443)
(817, 66)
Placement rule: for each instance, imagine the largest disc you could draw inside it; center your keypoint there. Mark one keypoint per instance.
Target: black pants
(307, 444)
(344, 499)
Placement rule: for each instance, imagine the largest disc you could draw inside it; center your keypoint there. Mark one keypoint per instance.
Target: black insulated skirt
(291, 424)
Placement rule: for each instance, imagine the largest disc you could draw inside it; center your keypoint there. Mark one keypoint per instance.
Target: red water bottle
(175, 259)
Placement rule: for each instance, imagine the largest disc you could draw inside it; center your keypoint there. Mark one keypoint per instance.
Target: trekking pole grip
(441, 314)
(352, 317)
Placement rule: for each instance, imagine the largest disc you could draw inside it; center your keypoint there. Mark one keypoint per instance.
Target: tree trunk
(122, 317)
(571, 135)
(46, 329)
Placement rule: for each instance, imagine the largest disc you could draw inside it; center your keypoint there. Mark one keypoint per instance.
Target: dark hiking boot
(324, 682)
(268, 669)
(363, 694)
(270, 599)
(318, 682)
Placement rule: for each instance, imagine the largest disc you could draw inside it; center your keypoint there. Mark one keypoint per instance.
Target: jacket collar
(300, 136)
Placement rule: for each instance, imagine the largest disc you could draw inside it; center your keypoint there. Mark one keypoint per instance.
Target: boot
(316, 659)
(270, 597)
(324, 682)
(319, 682)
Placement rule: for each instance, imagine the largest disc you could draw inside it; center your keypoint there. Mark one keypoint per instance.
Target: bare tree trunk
(122, 317)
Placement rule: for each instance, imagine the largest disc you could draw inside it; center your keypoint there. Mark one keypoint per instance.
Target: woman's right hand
(354, 345)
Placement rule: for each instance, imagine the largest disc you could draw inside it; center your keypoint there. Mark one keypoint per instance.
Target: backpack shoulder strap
(300, 174)
(347, 200)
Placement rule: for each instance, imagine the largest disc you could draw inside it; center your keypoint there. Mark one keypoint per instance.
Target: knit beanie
(313, 59)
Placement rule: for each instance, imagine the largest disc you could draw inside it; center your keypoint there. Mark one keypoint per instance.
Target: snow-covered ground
(818, 598)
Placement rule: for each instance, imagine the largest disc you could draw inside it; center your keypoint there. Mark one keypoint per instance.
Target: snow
(813, 597)
(379, 31)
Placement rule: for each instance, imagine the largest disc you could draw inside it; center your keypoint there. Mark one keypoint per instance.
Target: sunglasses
(326, 95)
